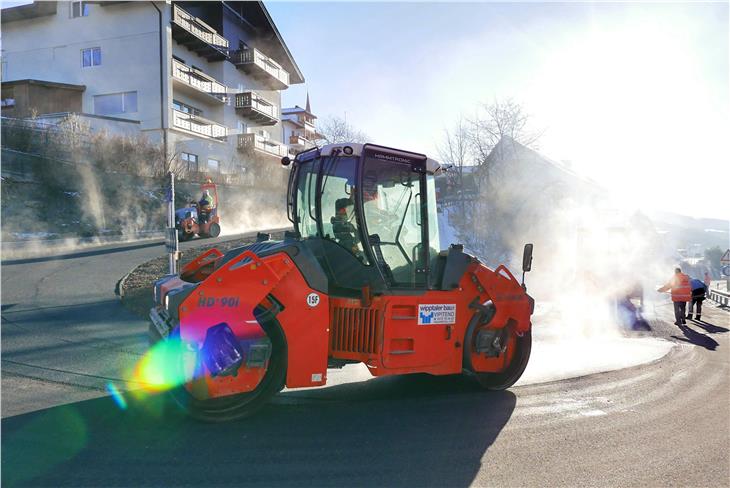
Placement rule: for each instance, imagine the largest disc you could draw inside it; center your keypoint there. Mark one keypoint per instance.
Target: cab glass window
(305, 198)
(392, 207)
(434, 239)
(338, 204)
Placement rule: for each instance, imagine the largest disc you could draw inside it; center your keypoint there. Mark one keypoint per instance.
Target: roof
(294, 122)
(28, 11)
(508, 148)
(48, 84)
(356, 149)
(296, 109)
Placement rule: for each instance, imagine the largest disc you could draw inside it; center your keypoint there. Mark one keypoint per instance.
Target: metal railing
(721, 297)
(254, 101)
(256, 57)
(198, 28)
(198, 125)
(258, 143)
(197, 79)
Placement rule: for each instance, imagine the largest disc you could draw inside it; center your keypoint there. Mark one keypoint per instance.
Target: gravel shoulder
(135, 289)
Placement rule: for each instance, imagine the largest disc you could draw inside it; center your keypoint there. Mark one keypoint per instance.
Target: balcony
(198, 36)
(255, 108)
(299, 143)
(197, 83)
(198, 125)
(266, 147)
(261, 67)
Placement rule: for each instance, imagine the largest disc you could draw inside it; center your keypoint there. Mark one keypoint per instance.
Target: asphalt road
(65, 335)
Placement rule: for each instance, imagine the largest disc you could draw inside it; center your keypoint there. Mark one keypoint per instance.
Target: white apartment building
(204, 78)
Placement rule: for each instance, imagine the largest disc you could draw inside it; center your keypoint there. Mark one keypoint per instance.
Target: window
(337, 197)
(392, 206)
(116, 103)
(305, 197)
(191, 161)
(91, 57)
(214, 165)
(79, 9)
(8, 98)
(182, 107)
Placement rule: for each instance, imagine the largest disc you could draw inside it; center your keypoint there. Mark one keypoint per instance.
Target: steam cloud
(589, 250)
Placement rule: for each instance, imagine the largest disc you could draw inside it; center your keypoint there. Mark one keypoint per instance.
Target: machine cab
(368, 213)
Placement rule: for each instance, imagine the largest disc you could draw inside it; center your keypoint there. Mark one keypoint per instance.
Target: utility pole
(171, 242)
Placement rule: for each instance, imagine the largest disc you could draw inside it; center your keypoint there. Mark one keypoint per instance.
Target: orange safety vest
(681, 291)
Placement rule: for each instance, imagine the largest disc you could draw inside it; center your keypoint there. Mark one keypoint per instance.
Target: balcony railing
(198, 125)
(258, 143)
(297, 140)
(262, 67)
(198, 36)
(250, 105)
(198, 80)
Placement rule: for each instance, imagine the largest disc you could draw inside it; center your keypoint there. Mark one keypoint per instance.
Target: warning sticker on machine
(437, 313)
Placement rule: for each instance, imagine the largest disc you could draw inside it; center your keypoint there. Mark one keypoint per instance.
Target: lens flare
(161, 368)
(116, 395)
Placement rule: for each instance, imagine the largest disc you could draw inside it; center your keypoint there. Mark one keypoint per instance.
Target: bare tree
(476, 141)
(173, 163)
(334, 130)
(455, 151)
(498, 120)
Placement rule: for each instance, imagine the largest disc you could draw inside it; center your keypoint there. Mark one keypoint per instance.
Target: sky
(632, 95)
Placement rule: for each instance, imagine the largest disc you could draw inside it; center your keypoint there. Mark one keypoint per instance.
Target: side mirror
(527, 258)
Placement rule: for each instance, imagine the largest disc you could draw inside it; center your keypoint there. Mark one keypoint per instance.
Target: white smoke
(589, 253)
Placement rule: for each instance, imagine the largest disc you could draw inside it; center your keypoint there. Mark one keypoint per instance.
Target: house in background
(202, 78)
(300, 132)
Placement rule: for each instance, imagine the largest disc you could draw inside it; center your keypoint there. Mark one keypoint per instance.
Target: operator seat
(342, 228)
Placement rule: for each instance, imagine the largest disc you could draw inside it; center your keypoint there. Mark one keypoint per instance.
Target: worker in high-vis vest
(681, 294)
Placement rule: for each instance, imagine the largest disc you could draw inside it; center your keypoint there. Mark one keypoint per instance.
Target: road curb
(119, 288)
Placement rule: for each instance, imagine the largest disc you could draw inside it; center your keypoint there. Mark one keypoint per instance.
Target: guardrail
(721, 297)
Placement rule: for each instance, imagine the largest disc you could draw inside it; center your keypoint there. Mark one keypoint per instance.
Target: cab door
(418, 324)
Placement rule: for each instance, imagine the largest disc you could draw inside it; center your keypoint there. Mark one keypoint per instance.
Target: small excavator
(361, 278)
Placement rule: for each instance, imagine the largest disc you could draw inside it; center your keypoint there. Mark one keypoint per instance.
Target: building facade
(300, 132)
(202, 78)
